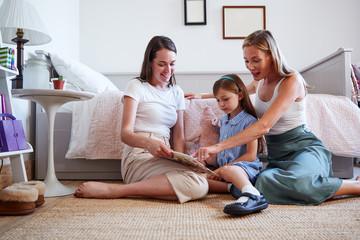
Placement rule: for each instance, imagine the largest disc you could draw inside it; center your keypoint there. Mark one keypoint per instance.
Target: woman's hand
(203, 153)
(198, 95)
(159, 149)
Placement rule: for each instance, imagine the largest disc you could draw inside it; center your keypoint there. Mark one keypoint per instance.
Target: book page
(192, 162)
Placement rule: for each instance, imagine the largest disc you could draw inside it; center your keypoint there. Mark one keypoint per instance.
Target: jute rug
(138, 218)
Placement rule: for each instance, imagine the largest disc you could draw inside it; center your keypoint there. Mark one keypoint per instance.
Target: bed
(329, 76)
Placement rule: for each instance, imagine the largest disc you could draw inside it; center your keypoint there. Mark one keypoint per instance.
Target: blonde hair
(263, 40)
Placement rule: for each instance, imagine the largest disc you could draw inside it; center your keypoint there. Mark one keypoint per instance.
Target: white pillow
(81, 119)
(81, 75)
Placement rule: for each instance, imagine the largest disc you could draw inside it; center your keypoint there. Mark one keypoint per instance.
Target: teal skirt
(299, 170)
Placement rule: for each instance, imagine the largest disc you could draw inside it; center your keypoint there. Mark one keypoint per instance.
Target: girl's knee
(225, 170)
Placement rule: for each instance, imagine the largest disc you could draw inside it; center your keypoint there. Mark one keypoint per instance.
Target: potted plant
(58, 82)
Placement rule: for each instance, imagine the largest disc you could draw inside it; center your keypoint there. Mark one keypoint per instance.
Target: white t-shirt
(156, 111)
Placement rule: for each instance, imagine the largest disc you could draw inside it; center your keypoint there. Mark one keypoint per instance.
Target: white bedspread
(334, 119)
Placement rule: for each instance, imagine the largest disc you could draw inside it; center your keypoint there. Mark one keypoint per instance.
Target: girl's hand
(193, 95)
(218, 177)
(159, 149)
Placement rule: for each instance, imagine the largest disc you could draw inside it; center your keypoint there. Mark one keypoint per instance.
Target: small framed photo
(195, 12)
(241, 21)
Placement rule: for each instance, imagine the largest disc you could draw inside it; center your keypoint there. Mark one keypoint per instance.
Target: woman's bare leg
(349, 187)
(156, 187)
(217, 186)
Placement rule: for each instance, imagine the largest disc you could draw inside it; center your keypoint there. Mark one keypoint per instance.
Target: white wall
(114, 34)
(61, 19)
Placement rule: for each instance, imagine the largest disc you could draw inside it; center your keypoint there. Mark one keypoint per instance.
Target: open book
(191, 162)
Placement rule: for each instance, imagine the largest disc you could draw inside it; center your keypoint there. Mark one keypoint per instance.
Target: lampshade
(20, 14)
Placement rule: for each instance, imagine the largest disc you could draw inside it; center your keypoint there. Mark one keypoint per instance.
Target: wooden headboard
(331, 75)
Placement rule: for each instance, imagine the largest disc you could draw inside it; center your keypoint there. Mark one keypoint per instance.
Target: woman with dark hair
(153, 107)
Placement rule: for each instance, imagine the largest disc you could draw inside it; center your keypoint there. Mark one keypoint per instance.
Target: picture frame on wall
(240, 21)
(195, 12)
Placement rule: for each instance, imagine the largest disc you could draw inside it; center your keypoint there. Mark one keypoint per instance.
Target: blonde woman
(300, 168)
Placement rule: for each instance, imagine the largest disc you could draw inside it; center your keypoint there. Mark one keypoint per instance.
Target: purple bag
(12, 136)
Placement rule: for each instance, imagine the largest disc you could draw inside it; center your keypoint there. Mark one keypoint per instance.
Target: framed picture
(195, 12)
(240, 21)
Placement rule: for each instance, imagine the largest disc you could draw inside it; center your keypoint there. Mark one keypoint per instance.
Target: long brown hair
(233, 83)
(156, 44)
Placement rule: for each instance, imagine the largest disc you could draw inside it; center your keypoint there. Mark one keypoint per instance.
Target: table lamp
(19, 19)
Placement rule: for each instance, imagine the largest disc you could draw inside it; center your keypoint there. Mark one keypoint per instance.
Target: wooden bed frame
(330, 75)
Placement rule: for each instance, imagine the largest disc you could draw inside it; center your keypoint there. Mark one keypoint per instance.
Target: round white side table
(51, 100)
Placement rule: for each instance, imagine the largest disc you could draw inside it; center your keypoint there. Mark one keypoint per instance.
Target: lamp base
(17, 82)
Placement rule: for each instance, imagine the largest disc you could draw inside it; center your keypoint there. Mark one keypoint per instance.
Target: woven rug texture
(139, 218)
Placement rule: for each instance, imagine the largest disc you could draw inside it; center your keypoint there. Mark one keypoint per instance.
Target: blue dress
(229, 128)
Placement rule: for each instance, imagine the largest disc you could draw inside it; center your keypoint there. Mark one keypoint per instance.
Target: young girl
(240, 165)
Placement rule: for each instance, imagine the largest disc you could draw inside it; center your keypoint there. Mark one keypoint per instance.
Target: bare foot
(98, 190)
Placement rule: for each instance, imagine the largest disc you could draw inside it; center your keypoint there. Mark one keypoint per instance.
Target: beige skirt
(138, 164)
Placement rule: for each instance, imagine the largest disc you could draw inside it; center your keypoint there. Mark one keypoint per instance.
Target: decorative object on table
(240, 21)
(19, 18)
(195, 12)
(58, 82)
(7, 57)
(12, 136)
(36, 74)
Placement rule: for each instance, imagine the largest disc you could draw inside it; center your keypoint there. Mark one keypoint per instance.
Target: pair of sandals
(254, 204)
(22, 198)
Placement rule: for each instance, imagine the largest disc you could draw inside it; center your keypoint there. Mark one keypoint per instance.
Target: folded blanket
(104, 140)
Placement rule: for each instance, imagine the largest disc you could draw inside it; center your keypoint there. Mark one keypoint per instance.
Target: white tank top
(293, 117)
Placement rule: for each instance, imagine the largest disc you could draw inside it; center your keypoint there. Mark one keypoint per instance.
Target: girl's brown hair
(233, 83)
(156, 44)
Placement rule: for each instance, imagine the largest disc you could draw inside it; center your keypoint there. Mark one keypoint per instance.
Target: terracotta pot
(58, 84)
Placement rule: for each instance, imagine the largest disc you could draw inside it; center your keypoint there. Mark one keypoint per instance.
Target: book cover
(192, 162)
